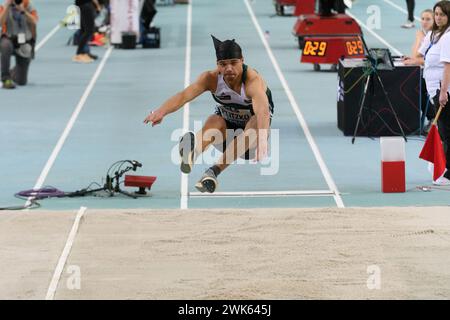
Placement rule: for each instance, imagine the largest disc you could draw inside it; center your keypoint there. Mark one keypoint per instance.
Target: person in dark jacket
(88, 12)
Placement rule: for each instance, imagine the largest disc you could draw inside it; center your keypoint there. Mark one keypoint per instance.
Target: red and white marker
(392, 164)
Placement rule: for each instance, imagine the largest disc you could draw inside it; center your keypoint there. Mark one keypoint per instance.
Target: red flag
(433, 151)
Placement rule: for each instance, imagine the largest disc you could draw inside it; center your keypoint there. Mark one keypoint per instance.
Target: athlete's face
(426, 19)
(440, 17)
(231, 69)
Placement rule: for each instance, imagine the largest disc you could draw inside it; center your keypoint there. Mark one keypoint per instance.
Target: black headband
(227, 49)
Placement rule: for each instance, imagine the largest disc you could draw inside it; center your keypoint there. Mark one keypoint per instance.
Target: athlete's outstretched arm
(175, 102)
(256, 89)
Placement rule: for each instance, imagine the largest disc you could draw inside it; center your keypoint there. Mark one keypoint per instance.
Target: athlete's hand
(261, 151)
(155, 117)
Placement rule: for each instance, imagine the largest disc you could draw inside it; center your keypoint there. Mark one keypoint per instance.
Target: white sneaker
(442, 181)
(186, 148)
(208, 182)
(408, 25)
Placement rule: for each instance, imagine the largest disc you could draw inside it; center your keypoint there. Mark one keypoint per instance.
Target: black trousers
(148, 13)
(19, 73)
(426, 105)
(410, 5)
(87, 25)
(326, 7)
(444, 130)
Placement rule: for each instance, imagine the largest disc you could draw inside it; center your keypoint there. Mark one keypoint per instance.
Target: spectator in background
(18, 20)
(435, 50)
(410, 4)
(426, 23)
(88, 12)
(326, 7)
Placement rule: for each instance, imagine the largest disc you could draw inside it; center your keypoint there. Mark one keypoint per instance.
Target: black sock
(216, 170)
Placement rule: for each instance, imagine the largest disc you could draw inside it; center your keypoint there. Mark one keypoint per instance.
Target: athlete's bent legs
(213, 131)
(240, 145)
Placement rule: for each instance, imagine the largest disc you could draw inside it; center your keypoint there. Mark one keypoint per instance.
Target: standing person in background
(88, 11)
(18, 35)
(435, 50)
(410, 4)
(148, 13)
(326, 7)
(426, 23)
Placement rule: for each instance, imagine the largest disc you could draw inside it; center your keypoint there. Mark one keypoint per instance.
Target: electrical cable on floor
(110, 187)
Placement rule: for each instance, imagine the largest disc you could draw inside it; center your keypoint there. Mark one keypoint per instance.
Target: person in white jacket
(435, 50)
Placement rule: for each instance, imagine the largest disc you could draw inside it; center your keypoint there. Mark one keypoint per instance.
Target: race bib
(21, 38)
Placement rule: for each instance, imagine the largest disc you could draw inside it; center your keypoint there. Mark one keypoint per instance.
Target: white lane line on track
(396, 6)
(64, 255)
(187, 80)
(47, 37)
(287, 193)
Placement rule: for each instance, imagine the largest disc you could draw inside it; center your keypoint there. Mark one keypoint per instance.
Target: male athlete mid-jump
(243, 102)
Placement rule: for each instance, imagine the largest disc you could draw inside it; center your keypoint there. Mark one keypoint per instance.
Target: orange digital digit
(307, 48)
(322, 48)
(314, 46)
(360, 47)
(355, 47)
(349, 48)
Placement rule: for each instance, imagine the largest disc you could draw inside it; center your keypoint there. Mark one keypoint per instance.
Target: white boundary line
(64, 255)
(47, 37)
(69, 125)
(396, 6)
(376, 35)
(263, 193)
(187, 80)
(296, 109)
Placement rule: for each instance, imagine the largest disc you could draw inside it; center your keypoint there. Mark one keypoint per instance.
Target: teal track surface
(110, 125)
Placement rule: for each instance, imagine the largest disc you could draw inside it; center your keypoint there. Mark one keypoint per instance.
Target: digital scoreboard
(325, 40)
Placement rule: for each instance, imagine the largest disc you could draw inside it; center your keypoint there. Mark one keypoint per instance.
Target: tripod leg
(390, 106)
(127, 194)
(363, 101)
